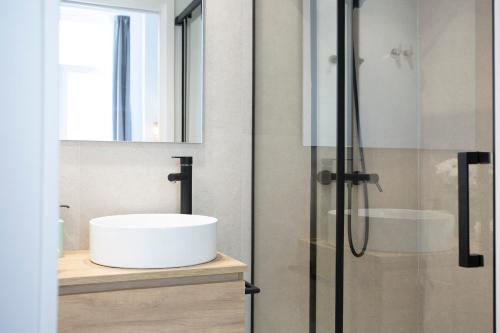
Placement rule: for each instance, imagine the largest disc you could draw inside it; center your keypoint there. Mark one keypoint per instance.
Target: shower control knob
(408, 52)
(396, 52)
(324, 177)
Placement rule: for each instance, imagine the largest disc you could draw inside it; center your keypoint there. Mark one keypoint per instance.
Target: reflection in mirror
(129, 73)
(189, 35)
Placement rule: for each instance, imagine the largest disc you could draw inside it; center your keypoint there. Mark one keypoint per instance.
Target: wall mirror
(131, 70)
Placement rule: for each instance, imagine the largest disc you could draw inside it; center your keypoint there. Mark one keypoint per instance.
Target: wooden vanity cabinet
(198, 299)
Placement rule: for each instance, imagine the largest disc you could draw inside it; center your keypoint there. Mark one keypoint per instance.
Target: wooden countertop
(76, 269)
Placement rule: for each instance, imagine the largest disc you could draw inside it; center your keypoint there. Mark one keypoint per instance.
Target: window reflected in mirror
(131, 75)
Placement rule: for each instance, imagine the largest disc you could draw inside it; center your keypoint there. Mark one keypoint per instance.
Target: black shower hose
(363, 170)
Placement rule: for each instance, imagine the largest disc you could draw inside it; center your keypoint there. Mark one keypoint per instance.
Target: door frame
(29, 169)
(496, 166)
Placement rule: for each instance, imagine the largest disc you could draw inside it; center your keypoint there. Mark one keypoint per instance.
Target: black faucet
(185, 177)
(325, 177)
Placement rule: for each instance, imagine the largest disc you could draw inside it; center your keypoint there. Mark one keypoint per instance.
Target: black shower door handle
(466, 259)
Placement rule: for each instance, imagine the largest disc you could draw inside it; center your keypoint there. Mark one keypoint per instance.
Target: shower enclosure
(373, 173)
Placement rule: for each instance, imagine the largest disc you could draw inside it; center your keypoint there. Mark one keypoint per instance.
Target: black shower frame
(182, 20)
(339, 258)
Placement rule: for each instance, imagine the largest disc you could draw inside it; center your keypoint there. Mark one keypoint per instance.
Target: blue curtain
(122, 117)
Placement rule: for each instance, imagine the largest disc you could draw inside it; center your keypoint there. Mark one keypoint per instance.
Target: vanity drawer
(195, 308)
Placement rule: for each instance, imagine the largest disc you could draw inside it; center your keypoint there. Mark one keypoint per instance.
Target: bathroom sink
(152, 240)
(401, 230)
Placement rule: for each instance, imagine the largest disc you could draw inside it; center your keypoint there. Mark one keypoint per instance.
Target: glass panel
(418, 92)
(295, 138)
(424, 93)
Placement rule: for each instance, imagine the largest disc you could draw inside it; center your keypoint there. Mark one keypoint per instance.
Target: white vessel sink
(152, 240)
(402, 230)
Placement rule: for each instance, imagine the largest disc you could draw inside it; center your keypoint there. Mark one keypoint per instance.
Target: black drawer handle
(466, 259)
(251, 289)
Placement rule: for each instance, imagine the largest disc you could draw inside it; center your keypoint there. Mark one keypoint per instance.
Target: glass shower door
(418, 242)
(371, 209)
(295, 135)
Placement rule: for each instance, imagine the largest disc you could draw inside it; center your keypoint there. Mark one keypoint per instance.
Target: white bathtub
(402, 230)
